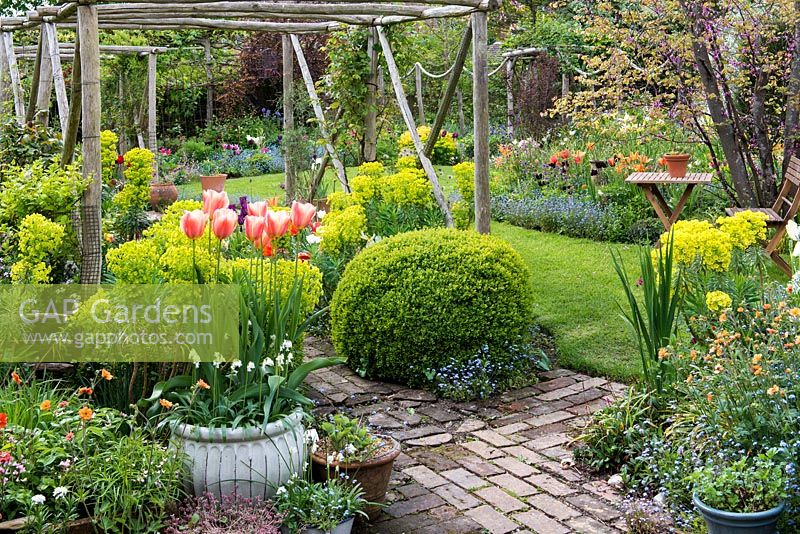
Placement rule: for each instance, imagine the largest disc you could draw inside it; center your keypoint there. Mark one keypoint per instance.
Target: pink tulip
(193, 224)
(213, 201)
(302, 213)
(253, 227)
(224, 223)
(277, 223)
(258, 209)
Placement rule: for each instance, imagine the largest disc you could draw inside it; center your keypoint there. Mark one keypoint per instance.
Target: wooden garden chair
(783, 211)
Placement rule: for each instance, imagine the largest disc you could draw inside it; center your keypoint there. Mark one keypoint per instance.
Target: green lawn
(268, 185)
(576, 291)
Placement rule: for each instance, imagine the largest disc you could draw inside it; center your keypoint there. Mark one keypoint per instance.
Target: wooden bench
(782, 211)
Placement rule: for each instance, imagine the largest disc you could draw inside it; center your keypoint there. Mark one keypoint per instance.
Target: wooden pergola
(289, 18)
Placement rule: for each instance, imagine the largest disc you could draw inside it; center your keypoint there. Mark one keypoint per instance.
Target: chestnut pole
(371, 103)
(51, 38)
(74, 119)
(152, 66)
(408, 116)
(480, 104)
(33, 97)
(92, 252)
(13, 71)
(288, 115)
(452, 86)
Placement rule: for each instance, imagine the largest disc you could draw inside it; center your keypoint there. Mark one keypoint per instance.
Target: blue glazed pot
(720, 522)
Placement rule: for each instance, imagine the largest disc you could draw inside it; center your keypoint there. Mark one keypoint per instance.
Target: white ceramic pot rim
(227, 435)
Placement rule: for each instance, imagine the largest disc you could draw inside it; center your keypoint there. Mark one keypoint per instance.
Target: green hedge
(411, 304)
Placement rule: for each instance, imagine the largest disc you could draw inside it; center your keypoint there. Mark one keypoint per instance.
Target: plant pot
(342, 528)
(373, 475)
(215, 182)
(677, 164)
(162, 195)
(720, 522)
(247, 461)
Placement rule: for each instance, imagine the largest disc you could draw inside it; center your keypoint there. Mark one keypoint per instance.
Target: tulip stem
(219, 255)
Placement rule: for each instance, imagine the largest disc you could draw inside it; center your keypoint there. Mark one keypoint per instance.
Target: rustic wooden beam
(33, 97)
(483, 4)
(397, 83)
(510, 97)
(316, 104)
(3, 70)
(51, 38)
(259, 8)
(68, 48)
(13, 70)
(187, 23)
(452, 86)
(288, 116)
(73, 121)
(371, 103)
(92, 252)
(45, 90)
(152, 66)
(418, 93)
(480, 105)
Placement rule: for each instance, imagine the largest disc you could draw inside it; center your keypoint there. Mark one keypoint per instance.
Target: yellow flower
(773, 390)
(718, 301)
(745, 229)
(45, 406)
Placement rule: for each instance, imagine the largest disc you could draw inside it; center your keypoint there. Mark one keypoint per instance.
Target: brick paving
(500, 466)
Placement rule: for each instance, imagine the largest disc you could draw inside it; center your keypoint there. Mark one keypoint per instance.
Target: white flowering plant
(264, 383)
(321, 505)
(346, 440)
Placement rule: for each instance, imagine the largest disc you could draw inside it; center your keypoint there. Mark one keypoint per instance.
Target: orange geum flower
(740, 309)
(45, 405)
(62, 404)
(757, 370)
(86, 413)
(718, 368)
(106, 375)
(757, 358)
(689, 379)
(202, 384)
(85, 391)
(710, 397)
(15, 377)
(165, 404)
(773, 390)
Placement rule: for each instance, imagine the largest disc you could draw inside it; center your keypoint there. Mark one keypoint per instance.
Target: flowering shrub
(39, 240)
(108, 155)
(445, 151)
(42, 188)
(454, 290)
(138, 175)
(342, 230)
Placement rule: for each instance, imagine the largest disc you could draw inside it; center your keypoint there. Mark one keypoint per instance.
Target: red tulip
(120, 159)
(257, 208)
(193, 224)
(553, 159)
(315, 226)
(302, 213)
(253, 227)
(3, 420)
(277, 223)
(213, 201)
(224, 223)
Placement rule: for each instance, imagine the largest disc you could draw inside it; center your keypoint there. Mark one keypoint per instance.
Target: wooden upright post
(419, 95)
(92, 251)
(462, 121)
(315, 103)
(45, 89)
(288, 116)
(3, 70)
(371, 103)
(480, 104)
(13, 71)
(209, 61)
(152, 65)
(74, 119)
(33, 97)
(51, 38)
(452, 85)
(510, 98)
(408, 116)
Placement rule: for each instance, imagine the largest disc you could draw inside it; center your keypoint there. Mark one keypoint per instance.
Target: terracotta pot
(676, 164)
(216, 182)
(162, 195)
(373, 475)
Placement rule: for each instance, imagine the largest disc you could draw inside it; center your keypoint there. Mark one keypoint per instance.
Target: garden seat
(783, 210)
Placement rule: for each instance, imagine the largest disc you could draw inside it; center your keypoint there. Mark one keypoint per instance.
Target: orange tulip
(224, 223)
(213, 201)
(193, 224)
(3, 420)
(277, 223)
(662, 161)
(266, 248)
(253, 227)
(564, 154)
(302, 213)
(258, 209)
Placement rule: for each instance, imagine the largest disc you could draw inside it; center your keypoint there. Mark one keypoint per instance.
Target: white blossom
(313, 239)
(321, 214)
(250, 366)
(38, 499)
(60, 492)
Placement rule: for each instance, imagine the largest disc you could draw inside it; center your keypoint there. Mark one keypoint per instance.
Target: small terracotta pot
(373, 475)
(162, 195)
(216, 182)
(676, 164)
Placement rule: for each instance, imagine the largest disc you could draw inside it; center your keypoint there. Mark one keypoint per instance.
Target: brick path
(497, 466)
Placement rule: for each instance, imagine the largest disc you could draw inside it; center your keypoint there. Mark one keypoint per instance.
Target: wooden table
(649, 182)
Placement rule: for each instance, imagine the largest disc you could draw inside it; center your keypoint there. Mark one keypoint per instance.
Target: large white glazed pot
(250, 462)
